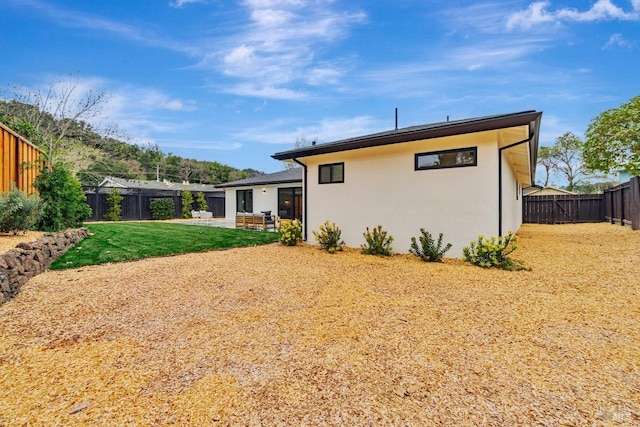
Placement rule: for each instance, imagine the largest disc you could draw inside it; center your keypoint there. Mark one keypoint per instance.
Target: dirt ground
(278, 335)
(9, 241)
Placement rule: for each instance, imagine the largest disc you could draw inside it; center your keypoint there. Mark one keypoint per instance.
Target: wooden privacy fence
(136, 202)
(18, 161)
(619, 204)
(563, 209)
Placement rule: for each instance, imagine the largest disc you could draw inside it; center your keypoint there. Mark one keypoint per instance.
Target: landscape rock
(18, 265)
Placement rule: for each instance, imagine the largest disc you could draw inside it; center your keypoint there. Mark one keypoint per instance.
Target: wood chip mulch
(276, 335)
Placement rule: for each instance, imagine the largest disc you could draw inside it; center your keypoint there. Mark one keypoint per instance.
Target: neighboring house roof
(111, 181)
(293, 175)
(429, 131)
(550, 191)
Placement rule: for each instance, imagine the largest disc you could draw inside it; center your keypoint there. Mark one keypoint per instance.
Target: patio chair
(206, 216)
(195, 217)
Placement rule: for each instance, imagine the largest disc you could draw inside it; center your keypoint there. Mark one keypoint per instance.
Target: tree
(187, 203)
(547, 162)
(54, 112)
(613, 139)
(64, 202)
(114, 210)
(567, 157)
(201, 202)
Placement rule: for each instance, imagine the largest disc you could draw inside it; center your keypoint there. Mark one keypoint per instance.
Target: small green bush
(494, 252)
(378, 242)
(161, 208)
(291, 233)
(201, 202)
(114, 210)
(328, 236)
(18, 212)
(428, 250)
(64, 202)
(187, 204)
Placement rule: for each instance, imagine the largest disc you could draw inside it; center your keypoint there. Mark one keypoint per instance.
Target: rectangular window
(331, 173)
(244, 201)
(457, 158)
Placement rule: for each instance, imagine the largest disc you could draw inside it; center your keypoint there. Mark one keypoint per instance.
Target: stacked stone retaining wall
(19, 265)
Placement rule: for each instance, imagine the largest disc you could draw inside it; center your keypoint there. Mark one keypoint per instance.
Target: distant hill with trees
(92, 154)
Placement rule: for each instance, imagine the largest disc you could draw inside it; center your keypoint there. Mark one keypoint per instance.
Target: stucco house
(462, 178)
(279, 193)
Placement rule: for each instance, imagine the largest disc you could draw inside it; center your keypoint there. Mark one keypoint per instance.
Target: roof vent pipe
(447, 117)
(313, 142)
(396, 118)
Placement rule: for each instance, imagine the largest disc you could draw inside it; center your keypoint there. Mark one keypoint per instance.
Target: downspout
(500, 180)
(304, 195)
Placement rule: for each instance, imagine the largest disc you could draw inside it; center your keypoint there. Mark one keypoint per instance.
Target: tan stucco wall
(267, 201)
(382, 187)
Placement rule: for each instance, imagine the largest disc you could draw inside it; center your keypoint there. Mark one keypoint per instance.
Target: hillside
(92, 154)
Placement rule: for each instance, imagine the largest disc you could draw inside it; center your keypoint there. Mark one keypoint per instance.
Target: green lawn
(128, 241)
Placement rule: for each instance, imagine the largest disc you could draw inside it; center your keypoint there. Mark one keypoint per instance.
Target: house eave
(438, 130)
(259, 183)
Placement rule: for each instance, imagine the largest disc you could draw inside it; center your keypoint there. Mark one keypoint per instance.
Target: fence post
(634, 196)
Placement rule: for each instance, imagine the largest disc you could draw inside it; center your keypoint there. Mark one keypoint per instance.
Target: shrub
(114, 210)
(493, 252)
(161, 208)
(64, 202)
(328, 236)
(187, 204)
(291, 233)
(378, 242)
(428, 250)
(18, 212)
(201, 202)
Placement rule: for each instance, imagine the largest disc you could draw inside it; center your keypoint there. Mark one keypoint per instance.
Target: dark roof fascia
(410, 134)
(534, 137)
(257, 183)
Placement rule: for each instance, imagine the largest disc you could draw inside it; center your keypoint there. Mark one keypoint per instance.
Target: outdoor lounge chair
(206, 216)
(195, 217)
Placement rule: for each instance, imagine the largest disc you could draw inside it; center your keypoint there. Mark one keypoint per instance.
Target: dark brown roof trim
(258, 183)
(414, 133)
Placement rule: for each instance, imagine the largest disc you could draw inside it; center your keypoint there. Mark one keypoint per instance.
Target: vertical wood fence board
(634, 201)
(18, 161)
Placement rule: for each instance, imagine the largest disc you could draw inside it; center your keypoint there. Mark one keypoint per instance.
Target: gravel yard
(275, 335)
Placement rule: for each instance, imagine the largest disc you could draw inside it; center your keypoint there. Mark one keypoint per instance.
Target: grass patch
(129, 241)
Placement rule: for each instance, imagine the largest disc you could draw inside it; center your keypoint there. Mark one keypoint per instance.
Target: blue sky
(236, 81)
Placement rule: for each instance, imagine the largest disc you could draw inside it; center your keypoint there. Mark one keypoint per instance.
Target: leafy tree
(201, 202)
(547, 162)
(566, 154)
(64, 202)
(187, 203)
(613, 139)
(114, 209)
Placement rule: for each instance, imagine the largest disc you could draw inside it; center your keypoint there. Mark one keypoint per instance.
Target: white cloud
(326, 130)
(264, 91)
(281, 47)
(180, 3)
(537, 14)
(617, 40)
(75, 19)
